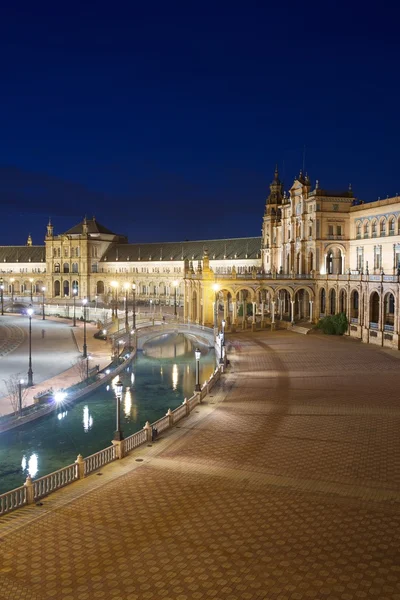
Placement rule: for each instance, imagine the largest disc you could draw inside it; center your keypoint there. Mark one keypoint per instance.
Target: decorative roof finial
(29, 240)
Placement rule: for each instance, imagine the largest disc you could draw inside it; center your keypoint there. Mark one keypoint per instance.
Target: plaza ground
(285, 485)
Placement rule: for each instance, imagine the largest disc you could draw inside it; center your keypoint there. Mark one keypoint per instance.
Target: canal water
(159, 378)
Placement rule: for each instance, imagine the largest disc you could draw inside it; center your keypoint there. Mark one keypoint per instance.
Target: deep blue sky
(165, 119)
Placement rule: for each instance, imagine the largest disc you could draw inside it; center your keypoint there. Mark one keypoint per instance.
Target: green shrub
(334, 324)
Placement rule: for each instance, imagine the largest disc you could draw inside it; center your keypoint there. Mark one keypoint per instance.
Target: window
(65, 252)
(339, 229)
(366, 229)
(74, 267)
(382, 228)
(391, 226)
(358, 230)
(56, 267)
(330, 229)
(374, 229)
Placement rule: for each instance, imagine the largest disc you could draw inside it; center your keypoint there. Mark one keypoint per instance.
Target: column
(292, 311)
(226, 310)
(254, 312)
(199, 318)
(280, 308)
(262, 312)
(311, 311)
(273, 312)
(234, 311)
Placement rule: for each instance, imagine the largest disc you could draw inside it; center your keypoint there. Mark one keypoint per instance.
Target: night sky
(165, 120)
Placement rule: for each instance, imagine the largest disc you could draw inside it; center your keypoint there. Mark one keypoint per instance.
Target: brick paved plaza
(285, 485)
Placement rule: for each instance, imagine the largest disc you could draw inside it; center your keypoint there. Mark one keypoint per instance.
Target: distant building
(321, 252)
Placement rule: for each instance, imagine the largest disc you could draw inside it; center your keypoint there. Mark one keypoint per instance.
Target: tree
(80, 367)
(14, 388)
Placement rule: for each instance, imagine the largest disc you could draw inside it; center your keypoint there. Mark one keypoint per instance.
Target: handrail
(99, 459)
(135, 440)
(12, 500)
(54, 481)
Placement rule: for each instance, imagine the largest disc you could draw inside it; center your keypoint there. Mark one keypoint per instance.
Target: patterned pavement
(285, 485)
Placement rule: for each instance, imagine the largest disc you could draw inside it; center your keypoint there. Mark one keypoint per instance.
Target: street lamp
(74, 293)
(197, 354)
(175, 284)
(223, 323)
(43, 291)
(20, 384)
(134, 306)
(215, 288)
(29, 312)
(118, 435)
(84, 302)
(126, 287)
(31, 280)
(2, 295)
(114, 308)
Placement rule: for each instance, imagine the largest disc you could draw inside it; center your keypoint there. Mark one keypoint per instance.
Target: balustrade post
(186, 403)
(170, 418)
(80, 463)
(119, 448)
(29, 490)
(149, 431)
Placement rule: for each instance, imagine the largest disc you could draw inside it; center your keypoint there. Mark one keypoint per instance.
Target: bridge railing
(33, 490)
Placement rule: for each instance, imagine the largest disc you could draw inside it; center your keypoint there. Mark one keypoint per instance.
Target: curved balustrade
(54, 481)
(135, 440)
(99, 459)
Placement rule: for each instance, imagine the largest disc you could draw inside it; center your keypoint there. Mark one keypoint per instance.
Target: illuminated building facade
(321, 252)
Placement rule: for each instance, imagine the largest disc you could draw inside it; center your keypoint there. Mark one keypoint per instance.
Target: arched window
(57, 288)
(332, 302)
(358, 230)
(366, 229)
(75, 287)
(342, 302)
(323, 302)
(66, 268)
(66, 288)
(391, 225)
(389, 311)
(329, 262)
(74, 267)
(374, 309)
(374, 228)
(100, 287)
(56, 267)
(354, 305)
(382, 230)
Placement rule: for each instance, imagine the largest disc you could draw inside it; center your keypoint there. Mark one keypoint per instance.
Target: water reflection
(175, 376)
(62, 415)
(30, 465)
(87, 419)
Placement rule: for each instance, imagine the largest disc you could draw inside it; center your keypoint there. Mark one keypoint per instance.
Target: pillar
(311, 311)
(292, 311)
(273, 312)
(226, 310)
(234, 311)
(262, 312)
(254, 312)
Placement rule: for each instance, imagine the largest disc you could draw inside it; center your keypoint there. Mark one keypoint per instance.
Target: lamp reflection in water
(87, 419)
(127, 402)
(175, 377)
(31, 464)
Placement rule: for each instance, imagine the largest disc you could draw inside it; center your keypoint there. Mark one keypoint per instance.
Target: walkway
(286, 485)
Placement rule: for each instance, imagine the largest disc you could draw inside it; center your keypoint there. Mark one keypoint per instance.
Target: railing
(34, 490)
(373, 325)
(179, 413)
(12, 500)
(99, 459)
(54, 481)
(162, 424)
(135, 440)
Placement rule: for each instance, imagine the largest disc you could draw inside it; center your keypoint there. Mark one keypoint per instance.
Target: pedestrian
(43, 332)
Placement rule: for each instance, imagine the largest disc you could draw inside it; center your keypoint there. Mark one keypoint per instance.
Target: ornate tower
(271, 224)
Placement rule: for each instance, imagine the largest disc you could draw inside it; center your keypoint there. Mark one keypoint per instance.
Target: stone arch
(57, 288)
(332, 301)
(302, 305)
(389, 310)
(342, 301)
(335, 259)
(374, 308)
(354, 304)
(322, 301)
(382, 227)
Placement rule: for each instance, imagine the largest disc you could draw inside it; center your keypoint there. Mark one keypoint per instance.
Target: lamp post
(29, 312)
(2, 296)
(43, 291)
(197, 354)
(215, 288)
(84, 302)
(126, 287)
(74, 293)
(118, 435)
(31, 280)
(223, 345)
(114, 307)
(175, 284)
(134, 305)
(20, 384)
